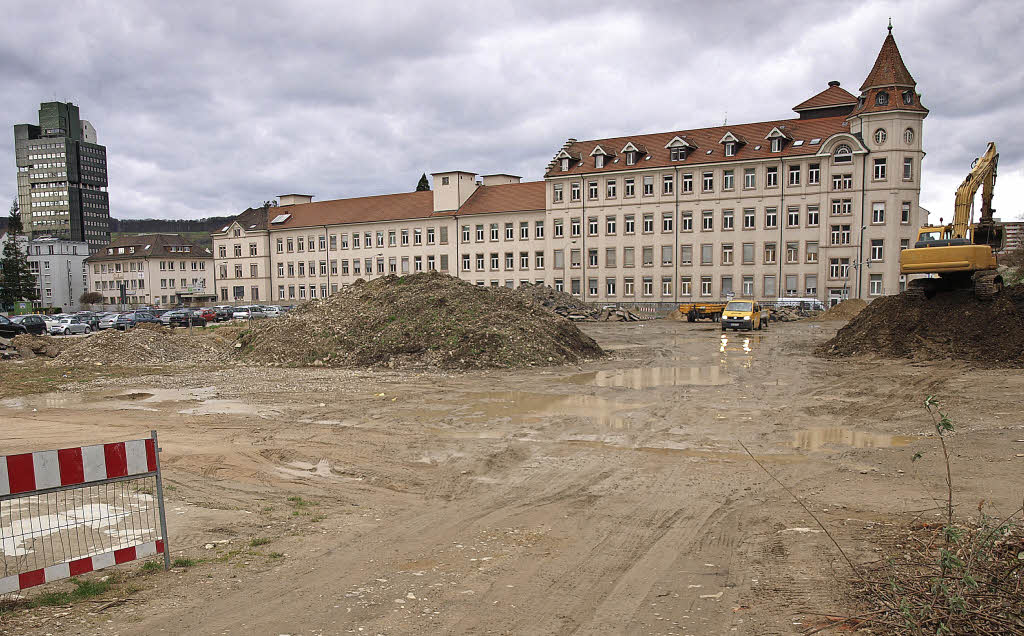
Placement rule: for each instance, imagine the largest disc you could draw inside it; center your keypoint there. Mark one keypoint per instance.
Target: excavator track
(922, 288)
(987, 285)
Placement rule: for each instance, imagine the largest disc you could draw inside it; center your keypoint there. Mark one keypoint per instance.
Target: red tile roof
(828, 98)
(149, 245)
(707, 139)
(889, 69)
(510, 197)
(385, 207)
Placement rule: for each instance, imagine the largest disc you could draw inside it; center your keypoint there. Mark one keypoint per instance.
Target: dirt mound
(428, 318)
(144, 345)
(30, 346)
(951, 325)
(845, 310)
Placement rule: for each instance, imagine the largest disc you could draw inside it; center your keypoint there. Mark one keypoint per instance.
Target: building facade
(62, 177)
(818, 205)
(241, 251)
(59, 267)
(159, 270)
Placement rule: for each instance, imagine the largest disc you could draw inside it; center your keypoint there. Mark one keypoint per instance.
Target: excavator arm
(982, 175)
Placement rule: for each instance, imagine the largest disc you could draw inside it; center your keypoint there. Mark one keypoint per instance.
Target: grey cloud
(209, 107)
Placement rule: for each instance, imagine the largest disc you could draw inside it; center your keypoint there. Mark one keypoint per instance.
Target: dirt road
(611, 498)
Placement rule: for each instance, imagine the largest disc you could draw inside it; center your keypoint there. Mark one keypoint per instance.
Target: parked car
(209, 314)
(250, 311)
(271, 311)
(10, 329)
(186, 318)
(107, 321)
(224, 312)
(68, 326)
(34, 323)
(127, 321)
(89, 318)
(165, 318)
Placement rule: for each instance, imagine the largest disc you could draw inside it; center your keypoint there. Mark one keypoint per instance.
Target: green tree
(423, 185)
(17, 282)
(90, 298)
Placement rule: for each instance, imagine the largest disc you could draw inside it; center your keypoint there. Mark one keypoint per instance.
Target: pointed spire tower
(889, 86)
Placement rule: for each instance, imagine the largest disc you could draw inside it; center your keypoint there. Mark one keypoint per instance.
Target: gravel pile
(28, 346)
(424, 319)
(845, 310)
(952, 325)
(789, 314)
(571, 307)
(145, 344)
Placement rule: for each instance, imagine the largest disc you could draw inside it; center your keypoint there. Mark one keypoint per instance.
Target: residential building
(818, 205)
(153, 270)
(62, 177)
(241, 250)
(59, 267)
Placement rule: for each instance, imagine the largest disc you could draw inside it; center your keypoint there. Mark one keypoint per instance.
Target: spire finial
(890, 25)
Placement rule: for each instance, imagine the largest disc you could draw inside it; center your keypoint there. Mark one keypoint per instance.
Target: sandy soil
(611, 498)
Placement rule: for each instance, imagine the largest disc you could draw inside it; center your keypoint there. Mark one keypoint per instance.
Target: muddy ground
(610, 498)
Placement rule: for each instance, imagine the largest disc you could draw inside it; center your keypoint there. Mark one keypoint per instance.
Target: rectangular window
(668, 222)
(705, 285)
(707, 220)
(814, 174)
(609, 223)
(575, 226)
(479, 262)
(630, 186)
(630, 221)
(610, 189)
(668, 184)
(559, 228)
(480, 233)
(494, 260)
(677, 153)
(556, 193)
(794, 175)
(609, 257)
(728, 219)
(769, 287)
(875, 285)
(648, 254)
(444, 262)
(771, 218)
(627, 286)
(793, 217)
(879, 171)
(538, 260)
(609, 286)
(905, 212)
(748, 218)
(727, 254)
(728, 180)
(465, 234)
(811, 285)
(792, 252)
(877, 249)
(688, 182)
(592, 286)
(726, 286)
(559, 259)
(465, 262)
(494, 232)
(666, 285)
(648, 223)
(811, 251)
(648, 186)
(599, 161)
(707, 254)
(430, 236)
(769, 253)
(878, 213)
(392, 238)
(747, 288)
(708, 182)
(648, 286)
(771, 176)
(392, 265)
(592, 190)
(748, 253)
(791, 285)
(628, 257)
(575, 258)
(908, 169)
(280, 246)
(559, 284)
(510, 260)
(592, 226)
(574, 190)
(538, 229)
(812, 216)
(749, 178)
(686, 255)
(666, 254)
(685, 286)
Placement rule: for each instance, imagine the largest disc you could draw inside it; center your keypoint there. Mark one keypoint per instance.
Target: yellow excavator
(962, 253)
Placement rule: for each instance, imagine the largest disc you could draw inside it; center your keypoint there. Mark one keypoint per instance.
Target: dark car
(186, 319)
(33, 323)
(224, 312)
(127, 321)
(10, 329)
(89, 318)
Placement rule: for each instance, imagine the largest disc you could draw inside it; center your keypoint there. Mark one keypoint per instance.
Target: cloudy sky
(208, 107)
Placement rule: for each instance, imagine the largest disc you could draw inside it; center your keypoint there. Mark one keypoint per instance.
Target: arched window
(842, 154)
(908, 135)
(882, 98)
(880, 136)
(908, 97)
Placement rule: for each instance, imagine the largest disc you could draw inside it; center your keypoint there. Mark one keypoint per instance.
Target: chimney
(294, 199)
(500, 179)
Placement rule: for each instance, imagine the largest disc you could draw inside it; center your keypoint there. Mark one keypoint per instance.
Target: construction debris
(846, 310)
(789, 313)
(424, 319)
(28, 346)
(145, 344)
(951, 325)
(571, 307)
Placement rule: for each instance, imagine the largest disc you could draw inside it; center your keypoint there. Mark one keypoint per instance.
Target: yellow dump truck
(744, 314)
(702, 311)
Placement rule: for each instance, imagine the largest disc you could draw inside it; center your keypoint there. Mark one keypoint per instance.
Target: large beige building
(818, 205)
(151, 269)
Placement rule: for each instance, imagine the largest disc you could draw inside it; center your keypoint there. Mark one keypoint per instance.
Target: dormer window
(882, 98)
(678, 153)
(599, 161)
(730, 149)
(776, 144)
(565, 165)
(842, 154)
(908, 97)
(630, 157)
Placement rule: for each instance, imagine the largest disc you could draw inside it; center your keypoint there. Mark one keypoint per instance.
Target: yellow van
(744, 314)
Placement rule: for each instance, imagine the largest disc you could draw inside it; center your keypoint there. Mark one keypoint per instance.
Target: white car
(107, 321)
(271, 311)
(247, 312)
(68, 326)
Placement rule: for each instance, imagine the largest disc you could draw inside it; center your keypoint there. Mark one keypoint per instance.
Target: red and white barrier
(41, 470)
(78, 566)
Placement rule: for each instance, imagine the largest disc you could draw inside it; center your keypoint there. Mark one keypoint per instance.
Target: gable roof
(889, 69)
(829, 98)
(151, 245)
(707, 139)
(509, 197)
(253, 219)
(383, 207)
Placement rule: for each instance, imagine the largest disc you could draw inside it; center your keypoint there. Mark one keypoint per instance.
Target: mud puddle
(520, 408)
(651, 377)
(822, 438)
(147, 400)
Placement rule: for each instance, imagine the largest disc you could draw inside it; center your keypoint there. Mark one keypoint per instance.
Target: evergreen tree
(423, 185)
(17, 282)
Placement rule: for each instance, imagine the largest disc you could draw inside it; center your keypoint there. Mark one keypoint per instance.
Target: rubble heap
(952, 325)
(571, 307)
(845, 310)
(28, 346)
(429, 318)
(145, 344)
(789, 313)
